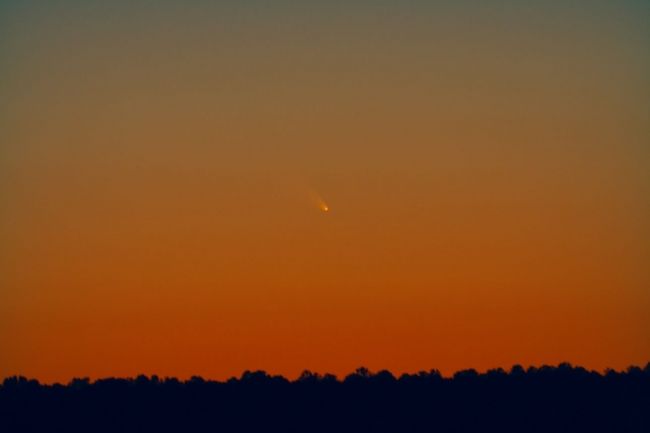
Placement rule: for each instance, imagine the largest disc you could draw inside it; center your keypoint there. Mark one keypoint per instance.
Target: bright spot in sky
(318, 201)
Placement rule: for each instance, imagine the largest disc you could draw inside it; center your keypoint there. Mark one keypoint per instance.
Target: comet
(319, 201)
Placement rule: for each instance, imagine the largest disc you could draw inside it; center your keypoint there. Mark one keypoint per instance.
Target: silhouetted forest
(545, 399)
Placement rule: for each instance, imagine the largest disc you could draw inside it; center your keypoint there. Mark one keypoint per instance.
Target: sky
(203, 188)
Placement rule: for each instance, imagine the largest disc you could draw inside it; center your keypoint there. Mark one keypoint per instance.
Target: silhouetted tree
(537, 399)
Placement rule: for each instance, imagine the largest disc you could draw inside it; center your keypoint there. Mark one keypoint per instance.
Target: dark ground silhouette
(545, 399)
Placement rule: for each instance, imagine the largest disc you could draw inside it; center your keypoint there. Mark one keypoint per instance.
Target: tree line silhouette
(553, 399)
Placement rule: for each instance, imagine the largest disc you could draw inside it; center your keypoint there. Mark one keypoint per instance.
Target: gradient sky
(163, 166)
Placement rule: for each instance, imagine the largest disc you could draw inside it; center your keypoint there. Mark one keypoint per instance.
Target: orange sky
(162, 174)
